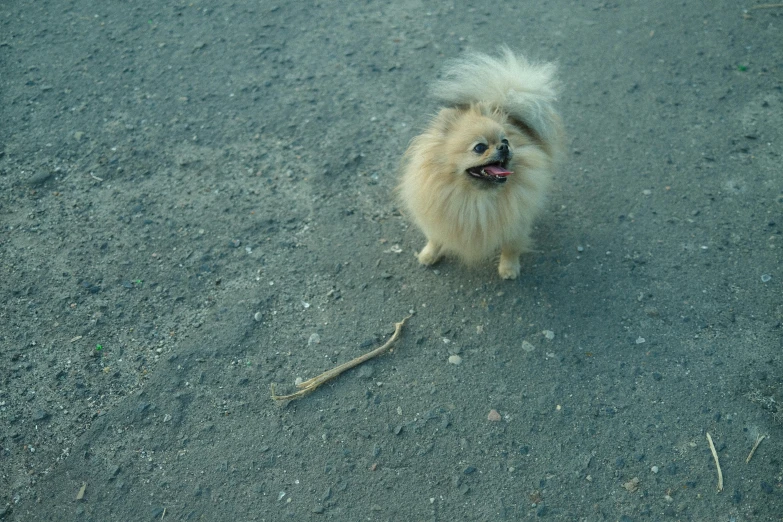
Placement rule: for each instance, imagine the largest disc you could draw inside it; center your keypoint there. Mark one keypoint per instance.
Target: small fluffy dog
(475, 179)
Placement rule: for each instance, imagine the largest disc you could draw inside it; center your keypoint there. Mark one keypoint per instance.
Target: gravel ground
(196, 202)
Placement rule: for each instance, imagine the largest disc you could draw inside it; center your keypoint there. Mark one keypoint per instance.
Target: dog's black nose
(502, 147)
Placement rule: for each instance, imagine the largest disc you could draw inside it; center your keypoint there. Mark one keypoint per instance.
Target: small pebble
(549, 334)
(765, 278)
(455, 359)
(257, 316)
(40, 415)
(640, 340)
(654, 469)
(527, 346)
(632, 485)
(314, 339)
(493, 416)
(39, 178)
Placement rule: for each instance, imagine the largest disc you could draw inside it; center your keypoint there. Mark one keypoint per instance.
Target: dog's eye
(481, 148)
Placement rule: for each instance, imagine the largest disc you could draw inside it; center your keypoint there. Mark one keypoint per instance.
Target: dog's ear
(445, 120)
(435, 134)
(536, 118)
(542, 124)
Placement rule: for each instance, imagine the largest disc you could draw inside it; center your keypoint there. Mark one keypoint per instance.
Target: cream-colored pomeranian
(475, 179)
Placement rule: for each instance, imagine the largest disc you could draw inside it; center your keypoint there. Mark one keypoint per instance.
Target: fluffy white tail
(524, 90)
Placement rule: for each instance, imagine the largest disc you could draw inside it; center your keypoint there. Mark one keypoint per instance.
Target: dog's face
(477, 147)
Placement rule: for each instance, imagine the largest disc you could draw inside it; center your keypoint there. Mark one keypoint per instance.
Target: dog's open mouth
(494, 172)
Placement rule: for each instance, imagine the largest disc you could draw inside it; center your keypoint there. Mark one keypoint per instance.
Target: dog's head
(475, 145)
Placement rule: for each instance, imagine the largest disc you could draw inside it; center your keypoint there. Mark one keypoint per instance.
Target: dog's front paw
(429, 255)
(509, 268)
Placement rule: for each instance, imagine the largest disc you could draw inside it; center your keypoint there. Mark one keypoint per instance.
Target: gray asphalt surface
(196, 202)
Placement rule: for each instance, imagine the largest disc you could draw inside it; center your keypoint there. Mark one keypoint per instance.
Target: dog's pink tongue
(494, 170)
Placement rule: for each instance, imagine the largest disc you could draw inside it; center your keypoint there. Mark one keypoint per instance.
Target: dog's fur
(474, 214)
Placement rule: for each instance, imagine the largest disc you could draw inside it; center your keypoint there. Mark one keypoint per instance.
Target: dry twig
(310, 385)
(753, 450)
(717, 463)
(766, 6)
